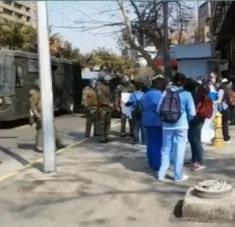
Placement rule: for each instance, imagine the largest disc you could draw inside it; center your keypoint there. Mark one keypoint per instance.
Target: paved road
(17, 143)
(108, 185)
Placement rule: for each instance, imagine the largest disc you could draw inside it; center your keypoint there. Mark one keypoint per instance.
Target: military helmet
(107, 78)
(101, 75)
(125, 79)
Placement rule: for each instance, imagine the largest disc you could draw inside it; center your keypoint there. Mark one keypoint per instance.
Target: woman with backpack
(151, 121)
(176, 109)
(204, 109)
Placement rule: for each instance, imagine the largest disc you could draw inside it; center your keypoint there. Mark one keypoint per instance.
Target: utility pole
(46, 89)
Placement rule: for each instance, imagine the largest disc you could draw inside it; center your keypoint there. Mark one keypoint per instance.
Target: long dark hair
(179, 79)
(202, 92)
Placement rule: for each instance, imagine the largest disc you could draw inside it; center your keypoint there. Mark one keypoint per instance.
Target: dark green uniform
(35, 117)
(104, 110)
(90, 102)
(128, 88)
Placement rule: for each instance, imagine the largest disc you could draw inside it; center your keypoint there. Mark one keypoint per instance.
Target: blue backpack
(170, 109)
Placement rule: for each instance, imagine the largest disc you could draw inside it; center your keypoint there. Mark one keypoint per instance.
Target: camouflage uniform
(90, 102)
(35, 117)
(128, 88)
(104, 110)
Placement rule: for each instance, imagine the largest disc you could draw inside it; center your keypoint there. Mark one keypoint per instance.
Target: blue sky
(64, 13)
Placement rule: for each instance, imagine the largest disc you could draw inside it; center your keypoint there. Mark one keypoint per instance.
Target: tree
(30, 39)
(109, 60)
(55, 44)
(147, 26)
(11, 35)
(16, 36)
(142, 24)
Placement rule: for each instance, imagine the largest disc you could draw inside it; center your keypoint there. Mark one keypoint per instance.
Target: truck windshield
(7, 80)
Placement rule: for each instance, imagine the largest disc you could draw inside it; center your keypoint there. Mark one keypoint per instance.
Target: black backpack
(170, 109)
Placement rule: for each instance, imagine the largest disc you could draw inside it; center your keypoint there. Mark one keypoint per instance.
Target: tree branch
(131, 39)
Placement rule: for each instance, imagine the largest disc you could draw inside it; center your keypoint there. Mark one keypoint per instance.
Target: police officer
(35, 114)
(125, 87)
(104, 107)
(36, 117)
(90, 102)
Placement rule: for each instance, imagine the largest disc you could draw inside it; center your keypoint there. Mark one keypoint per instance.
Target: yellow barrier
(218, 141)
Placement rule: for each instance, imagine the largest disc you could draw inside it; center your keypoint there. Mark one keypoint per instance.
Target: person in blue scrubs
(151, 121)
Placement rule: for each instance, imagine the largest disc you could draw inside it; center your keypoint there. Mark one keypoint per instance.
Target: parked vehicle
(18, 72)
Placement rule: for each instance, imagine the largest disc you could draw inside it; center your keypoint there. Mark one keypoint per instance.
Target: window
(7, 11)
(32, 66)
(8, 2)
(19, 16)
(19, 76)
(17, 5)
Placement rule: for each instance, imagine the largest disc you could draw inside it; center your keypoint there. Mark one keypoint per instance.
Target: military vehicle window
(32, 66)
(19, 76)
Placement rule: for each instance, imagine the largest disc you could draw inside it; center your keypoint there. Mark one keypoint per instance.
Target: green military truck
(18, 72)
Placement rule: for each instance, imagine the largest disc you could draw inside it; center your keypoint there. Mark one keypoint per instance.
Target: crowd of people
(163, 115)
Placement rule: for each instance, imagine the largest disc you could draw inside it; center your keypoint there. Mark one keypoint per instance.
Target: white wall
(193, 68)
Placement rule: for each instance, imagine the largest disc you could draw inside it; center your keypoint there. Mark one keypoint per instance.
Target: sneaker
(197, 167)
(189, 164)
(227, 141)
(39, 149)
(184, 178)
(162, 179)
(103, 141)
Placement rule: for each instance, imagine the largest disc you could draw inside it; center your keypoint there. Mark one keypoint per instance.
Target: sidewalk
(108, 185)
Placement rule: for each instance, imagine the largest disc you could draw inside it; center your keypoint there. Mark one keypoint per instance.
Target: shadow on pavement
(14, 155)
(26, 146)
(8, 137)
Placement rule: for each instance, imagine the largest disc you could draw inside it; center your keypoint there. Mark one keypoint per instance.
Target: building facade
(204, 19)
(224, 34)
(24, 12)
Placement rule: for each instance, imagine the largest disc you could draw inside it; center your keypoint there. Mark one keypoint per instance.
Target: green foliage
(15, 36)
(109, 60)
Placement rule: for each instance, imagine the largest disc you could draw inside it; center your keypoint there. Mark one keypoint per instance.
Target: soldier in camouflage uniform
(90, 102)
(104, 108)
(127, 87)
(35, 115)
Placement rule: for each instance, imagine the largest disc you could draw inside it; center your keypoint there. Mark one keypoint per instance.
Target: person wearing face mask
(125, 87)
(213, 93)
(105, 106)
(90, 102)
(208, 131)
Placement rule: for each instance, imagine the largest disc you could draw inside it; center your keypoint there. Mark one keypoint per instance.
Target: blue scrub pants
(154, 144)
(173, 149)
